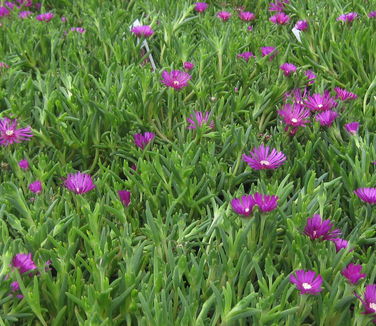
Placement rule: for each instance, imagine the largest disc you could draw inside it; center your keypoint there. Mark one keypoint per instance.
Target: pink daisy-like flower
(320, 102)
(326, 118)
(294, 115)
(316, 228)
(246, 55)
(243, 206)
(4, 12)
(79, 183)
(367, 195)
(36, 187)
(277, 6)
(176, 79)
(348, 18)
(125, 197)
(265, 203)
(9, 133)
(142, 31)
(198, 119)
(80, 30)
(24, 14)
(23, 164)
(344, 95)
(352, 127)
(311, 76)
(10, 5)
(369, 301)
(353, 273)
(141, 140)
(372, 14)
(340, 244)
(301, 25)
(296, 96)
(45, 17)
(261, 158)
(201, 6)
(23, 262)
(280, 19)
(188, 65)
(307, 282)
(288, 68)
(269, 51)
(247, 16)
(224, 15)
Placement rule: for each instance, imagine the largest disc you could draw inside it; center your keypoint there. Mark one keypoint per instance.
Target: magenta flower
(353, 273)
(344, 95)
(243, 206)
(125, 197)
(188, 65)
(348, 18)
(301, 25)
(25, 3)
(372, 14)
(326, 118)
(269, 50)
(10, 5)
(176, 79)
(45, 17)
(280, 19)
(246, 55)
(320, 102)
(352, 127)
(316, 228)
(15, 287)
(369, 301)
(307, 282)
(367, 195)
(297, 96)
(9, 133)
(4, 12)
(64, 19)
(142, 31)
(201, 6)
(264, 202)
(198, 119)
(247, 16)
(277, 6)
(141, 140)
(36, 187)
(250, 28)
(79, 183)
(340, 243)
(3, 65)
(294, 115)
(80, 30)
(261, 158)
(224, 15)
(288, 68)
(23, 164)
(311, 76)
(24, 14)
(23, 262)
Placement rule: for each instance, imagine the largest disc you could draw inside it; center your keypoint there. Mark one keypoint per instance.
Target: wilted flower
(176, 79)
(125, 197)
(281, 19)
(246, 55)
(198, 119)
(36, 187)
(296, 96)
(25, 3)
(188, 65)
(316, 228)
(369, 301)
(352, 127)
(307, 282)
(320, 102)
(344, 95)
(4, 12)
(265, 203)
(201, 6)
(269, 50)
(23, 164)
(368, 195)
(3, 65)
(353, 273)
(79, 183)
(24, 14)
(340, 243)
(348, 18)
(261, 158)
(372, 14)
(247, 16)
(243, 206)
(301, 25)
(45, 17)
(278, 6)
(288, 68)
(310, 76)
(224, 15)
(326, 118)
(23, 262)
(141, 140)
(142, 31)
(294, 115)
(9, 133)
(80, 30)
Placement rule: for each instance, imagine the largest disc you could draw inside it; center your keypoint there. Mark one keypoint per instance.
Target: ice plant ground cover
(224, 192)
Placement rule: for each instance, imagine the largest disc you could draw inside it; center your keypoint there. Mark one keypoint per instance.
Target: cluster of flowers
(351, 16)
(19, 5)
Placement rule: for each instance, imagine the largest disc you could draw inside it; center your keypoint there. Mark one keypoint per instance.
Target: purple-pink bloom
(307, 282)
(344, 94)
(25, 3)
(297, 96)
(9, 133)
(142, 31)
(265, 203)
(198, 119)
(80, 30)
(352, 127)
(64, 19)
(23, 262)
(280, 19)
(301, 25)
(316, 228)
(294, 115)
(15, 287)
(372, 14)
(125, 197)
(176, 79)
(3, 65)
(348, 18)
(246, 55)
(79, 183)
(23, 164)
(250, 28)
(288, 68)
(201, 6)
(4, 12)
(45, 17)
(326, 118)
(247, 16)
(277, 6)
(141, 140)
(188, 65)
(261, 158)
(10, 5)
(36, 187)
(269, 50)
(369, 301)
(320, 102)
(243, 206)
(224, 15)
(340, 243)
(367, 195)
(24, 14)
(311, 76)
(353, 273)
